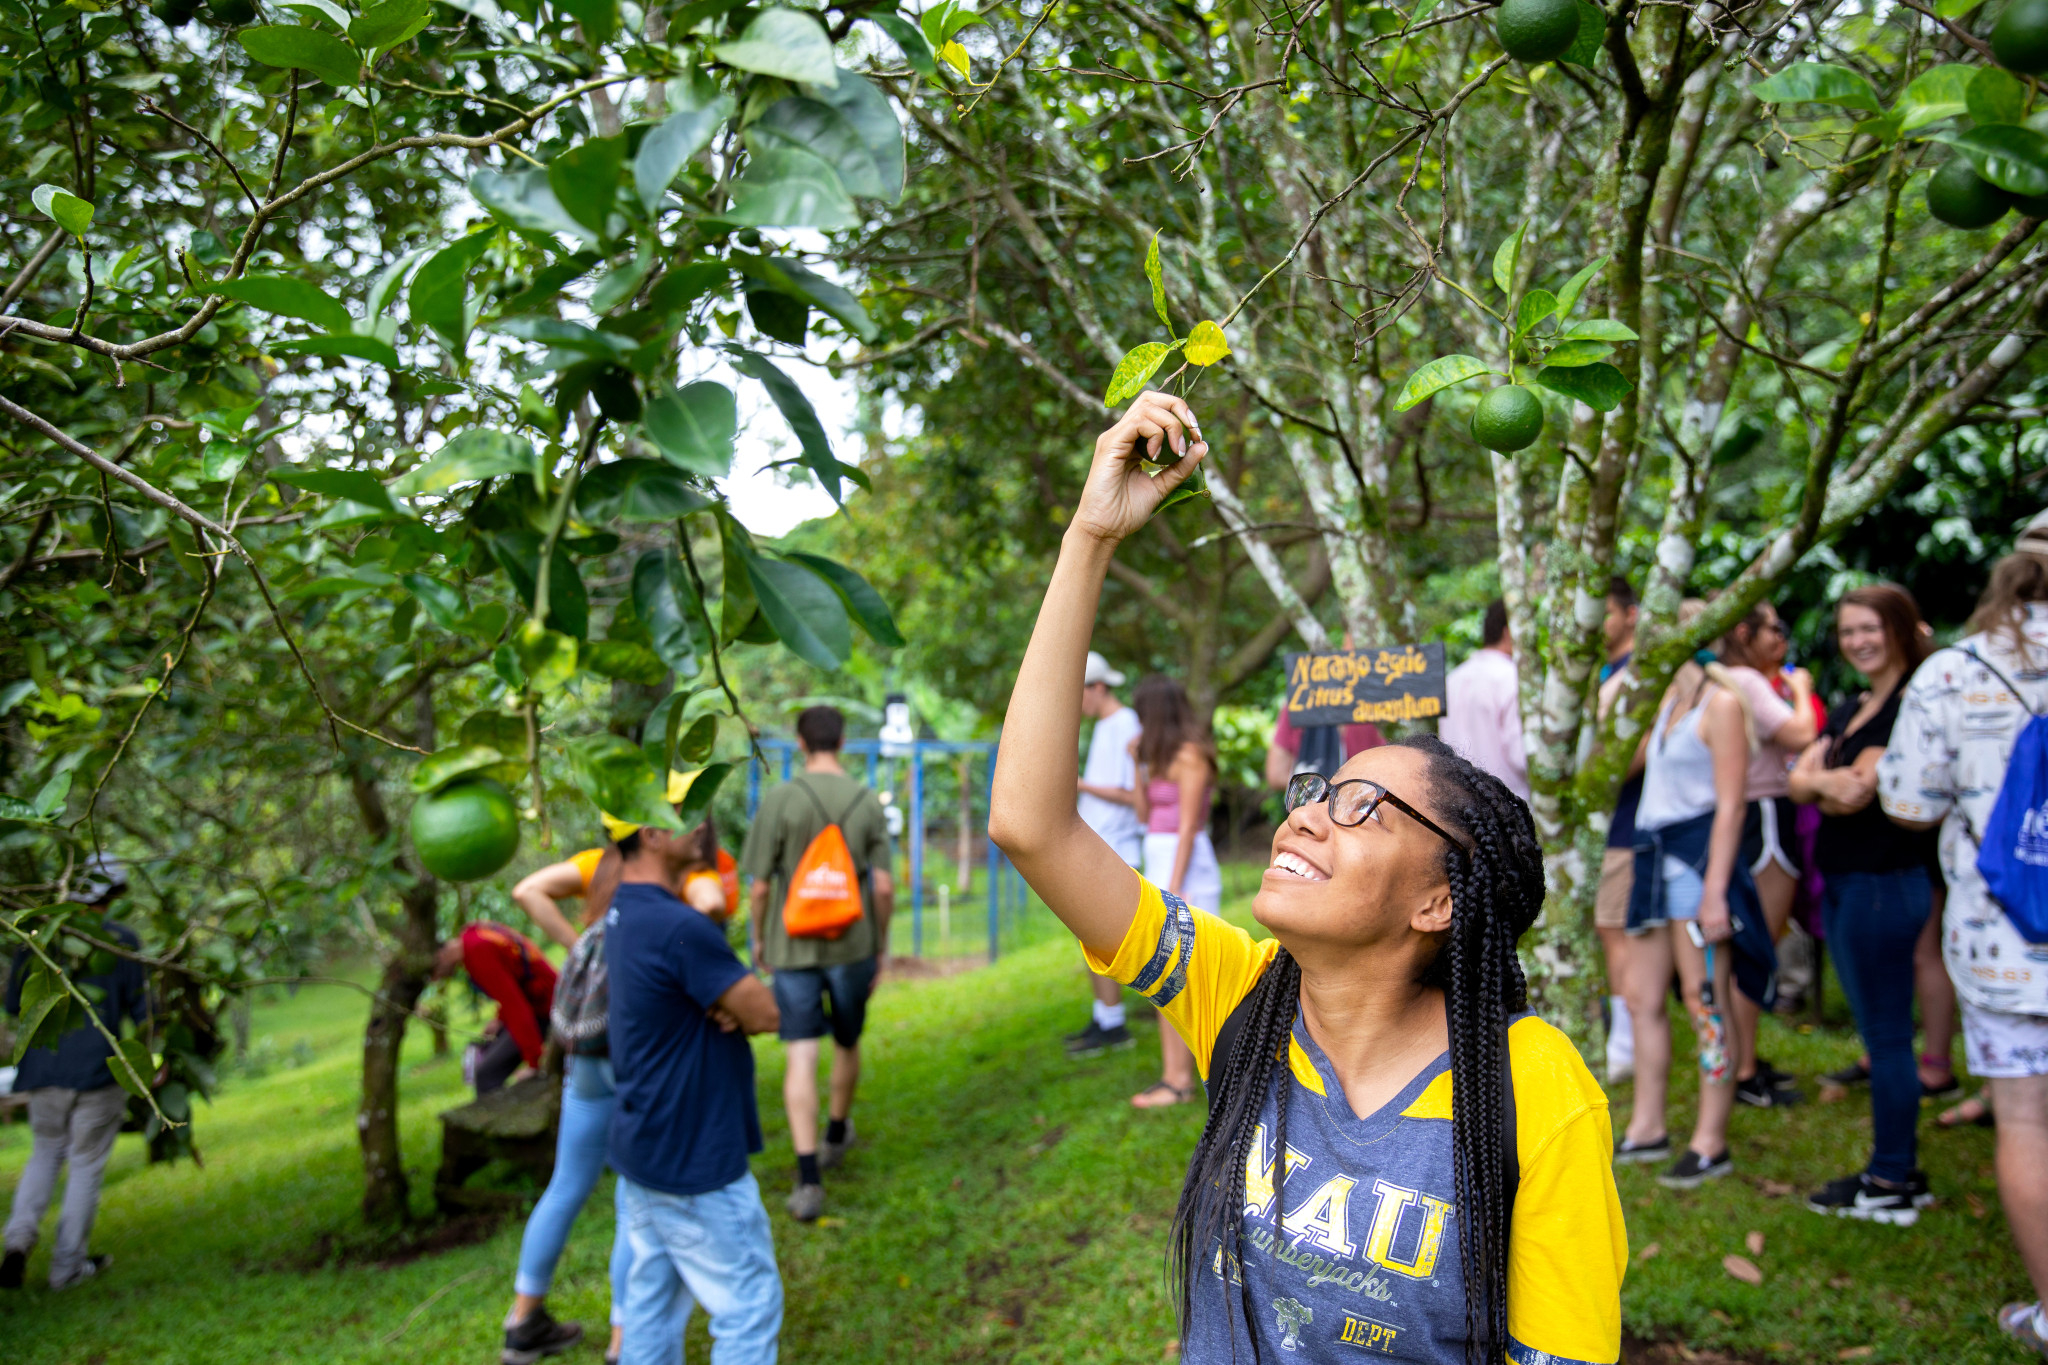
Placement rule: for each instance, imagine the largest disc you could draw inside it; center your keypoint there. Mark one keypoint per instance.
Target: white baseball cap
(1099, 671)
(2033, 539)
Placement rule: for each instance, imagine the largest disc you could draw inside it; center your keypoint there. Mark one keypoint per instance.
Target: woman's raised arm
(1031, 807)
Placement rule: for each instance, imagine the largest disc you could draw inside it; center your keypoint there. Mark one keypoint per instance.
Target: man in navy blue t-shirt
(681, 1008)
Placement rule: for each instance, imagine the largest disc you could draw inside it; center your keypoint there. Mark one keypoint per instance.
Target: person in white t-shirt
(1483, 708)
(1109, 806)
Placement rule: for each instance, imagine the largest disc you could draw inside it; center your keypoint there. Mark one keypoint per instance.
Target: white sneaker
(1621, 1058)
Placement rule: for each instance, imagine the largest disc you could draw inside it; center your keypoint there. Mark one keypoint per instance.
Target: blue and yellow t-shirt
(1364, 1262)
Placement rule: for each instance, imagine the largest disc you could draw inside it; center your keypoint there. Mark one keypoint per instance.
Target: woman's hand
(1715, 924)
(1120, 496)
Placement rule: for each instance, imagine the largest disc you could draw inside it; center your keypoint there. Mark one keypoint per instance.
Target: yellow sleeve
(1189, 963)
(586, 864)
(1569, 1246)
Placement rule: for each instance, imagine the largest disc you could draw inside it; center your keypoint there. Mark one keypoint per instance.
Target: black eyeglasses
(1353, 801)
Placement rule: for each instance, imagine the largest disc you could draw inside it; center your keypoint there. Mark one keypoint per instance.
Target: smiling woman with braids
(1407, 1220)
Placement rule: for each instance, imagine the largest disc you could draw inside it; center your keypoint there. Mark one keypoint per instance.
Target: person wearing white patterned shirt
(1957, 723)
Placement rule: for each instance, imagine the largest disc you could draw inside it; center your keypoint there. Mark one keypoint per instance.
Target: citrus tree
(1616, 273)
(370, 374)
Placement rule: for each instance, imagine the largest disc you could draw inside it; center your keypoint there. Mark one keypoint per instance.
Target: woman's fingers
(1165, 421)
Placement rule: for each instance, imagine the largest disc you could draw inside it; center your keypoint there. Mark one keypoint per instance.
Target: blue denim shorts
(801, 994)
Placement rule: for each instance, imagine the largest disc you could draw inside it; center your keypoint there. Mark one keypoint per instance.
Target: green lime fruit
(2020, 38)
(2029, 205)
(1960, 197)
(466, 831)
(1540, 30)
(1507, 419)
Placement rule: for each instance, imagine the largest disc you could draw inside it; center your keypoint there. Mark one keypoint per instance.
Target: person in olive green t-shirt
(812, 974)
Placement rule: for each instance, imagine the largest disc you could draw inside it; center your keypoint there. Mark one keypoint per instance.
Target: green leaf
(1955, 9)
(321, 9)
(437, 298)
(1568, 297)
(306, 49)
(1586, 48)
(443, 603)
(786, 187)
(443, 766)
(1536, 305)
(787, 275)
(694, 746)
(679, 288)
(355, 347)
(547, 656)
(2011, 158)
(636, 491)
(806, 613)
(390, 23)
(1936, 94)
(784, 43)
(1571, 353)
(495, 730)
(49, 798)
(1504, 258)
(1137, 367)
(1438, 374)
(1598, 329)
(518, 554)
(505, 664)
(1156, 275)
(916, 48)
(849, 126)
(617, 777)
(288, 296)
(473, 454)
(803, 420)
(665, 604)
(524, 200)
(574, 336)
(222, 460)
(63, 207)
(666, 149)
(1205, 345)
(1995, 95)
(133, 1068)
(695, 427)
(696, 802)
(738, 607)
(862, 601)
(624, 661)
(1599, 386)
(585, 180)
(955, 56)
(1819, 83)
(778, 316)
(599, 19)
(354, 485)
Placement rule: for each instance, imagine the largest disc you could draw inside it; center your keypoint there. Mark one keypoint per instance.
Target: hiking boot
(1858, 1196)
(91, 1268)
(1692, 1170)
(536, 1335)
(1628, 1153)
(12, 1267)
(1095, 1040)
(831, 1153)
(1763, 1094)
(806, 1202)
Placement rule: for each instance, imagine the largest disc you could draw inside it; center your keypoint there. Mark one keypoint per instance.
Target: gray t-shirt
(783, 828)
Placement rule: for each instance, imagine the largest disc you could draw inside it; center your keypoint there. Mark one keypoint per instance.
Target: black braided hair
(1496, 894)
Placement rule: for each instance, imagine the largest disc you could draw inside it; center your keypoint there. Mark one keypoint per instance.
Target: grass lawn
(1005, 1205)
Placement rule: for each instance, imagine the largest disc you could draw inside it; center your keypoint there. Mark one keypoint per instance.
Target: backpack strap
(2010, 685)
(1511, 1157)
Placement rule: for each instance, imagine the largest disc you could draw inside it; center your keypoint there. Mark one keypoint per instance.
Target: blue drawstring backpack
(2012, 857)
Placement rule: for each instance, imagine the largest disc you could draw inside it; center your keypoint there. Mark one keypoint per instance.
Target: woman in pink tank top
(1176, 786)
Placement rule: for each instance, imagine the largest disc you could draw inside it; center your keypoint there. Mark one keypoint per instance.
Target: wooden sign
(1365, 686)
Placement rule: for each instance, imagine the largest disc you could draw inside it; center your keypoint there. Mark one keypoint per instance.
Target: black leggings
(496, 1063)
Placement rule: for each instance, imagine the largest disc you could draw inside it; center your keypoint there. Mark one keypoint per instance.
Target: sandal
(1974, 1111)
(2017, 1320)
(1160, 1094)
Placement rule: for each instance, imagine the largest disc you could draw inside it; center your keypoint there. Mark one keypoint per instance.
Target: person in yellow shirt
(1428, 1176)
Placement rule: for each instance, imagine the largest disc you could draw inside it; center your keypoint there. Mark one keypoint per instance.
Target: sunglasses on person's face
(1353, 801)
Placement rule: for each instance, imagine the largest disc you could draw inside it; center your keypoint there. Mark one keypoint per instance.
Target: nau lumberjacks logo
(1291, 1315)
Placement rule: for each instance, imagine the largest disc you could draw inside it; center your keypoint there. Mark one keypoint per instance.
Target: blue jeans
(713, 1247)
(587, 1099)
(1873, 919)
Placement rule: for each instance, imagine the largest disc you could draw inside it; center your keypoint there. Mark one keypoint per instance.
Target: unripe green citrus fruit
(465, 831)
(1540, 30)
(2029, 205)
(1507, 419)
(2020, 38)
(1960, 197)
